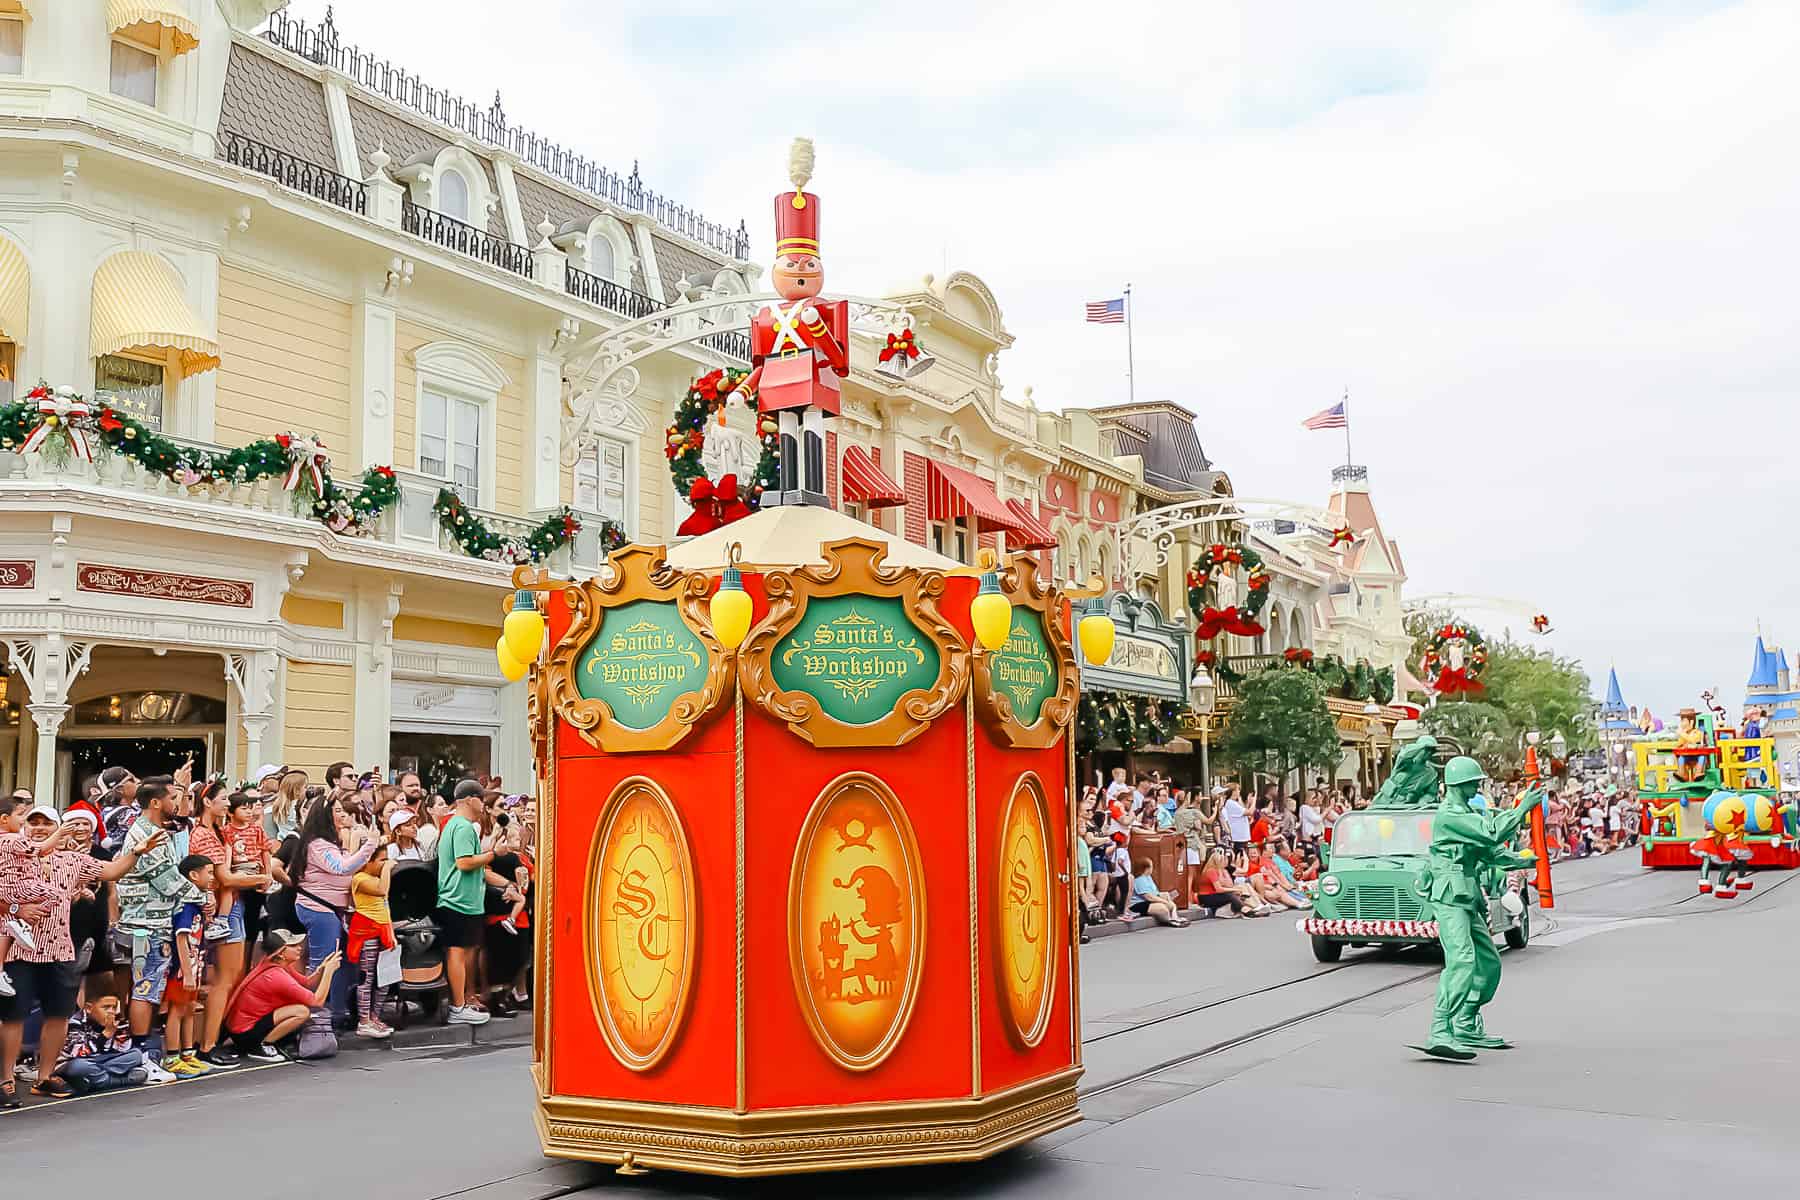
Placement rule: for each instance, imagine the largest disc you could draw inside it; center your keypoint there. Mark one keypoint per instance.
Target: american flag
(1106, 312)
(1330, 418)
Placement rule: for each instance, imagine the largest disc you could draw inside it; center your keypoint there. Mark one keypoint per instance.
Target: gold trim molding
(637, 573)
(853, 567)
(789, 1141)
(993, 708)
(1027, 789)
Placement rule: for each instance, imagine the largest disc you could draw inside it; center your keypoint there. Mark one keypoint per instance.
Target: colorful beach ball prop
(1759, 815)
(1724, 812)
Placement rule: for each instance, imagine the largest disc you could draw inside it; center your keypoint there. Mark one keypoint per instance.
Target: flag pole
(1347, 459)
(1130, 364)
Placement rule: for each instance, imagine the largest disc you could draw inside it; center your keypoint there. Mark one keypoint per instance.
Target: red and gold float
(805, 902)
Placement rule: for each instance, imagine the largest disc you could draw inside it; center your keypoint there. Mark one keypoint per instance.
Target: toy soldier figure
(1467, 844)
(799, 348)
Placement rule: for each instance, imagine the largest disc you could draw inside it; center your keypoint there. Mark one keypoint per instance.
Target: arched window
(602, 261)
(453, 195)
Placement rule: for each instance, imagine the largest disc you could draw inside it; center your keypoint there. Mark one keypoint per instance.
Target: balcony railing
(1244, 664)
(732, 343)
(118, 482)
(297, 173)
(464, 238)
(615, 297)
(321, 44)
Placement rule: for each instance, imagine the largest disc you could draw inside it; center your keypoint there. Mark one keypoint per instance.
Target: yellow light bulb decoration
(1096, 632)
(524, 628)
(511, 668)
(991, 613)
(730, 609)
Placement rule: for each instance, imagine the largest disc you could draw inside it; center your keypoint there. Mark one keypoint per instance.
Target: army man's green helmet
(1463, 770)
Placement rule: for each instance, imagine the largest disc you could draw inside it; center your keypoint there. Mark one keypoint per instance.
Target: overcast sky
(1550, 248)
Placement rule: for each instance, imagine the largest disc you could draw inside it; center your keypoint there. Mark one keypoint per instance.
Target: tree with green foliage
(1281, 722)
(1525, 689)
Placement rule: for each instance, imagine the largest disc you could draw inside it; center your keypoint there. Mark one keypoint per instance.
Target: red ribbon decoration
(1342, 537)
(1453, 680)
(1214, 621)
(899, 345)
(1295, 654)
(715, 506)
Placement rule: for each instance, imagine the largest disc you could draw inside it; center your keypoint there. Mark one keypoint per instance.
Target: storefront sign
(163, 585)
(643, 657)
(856, 655)
(1141, 656)
(17, 573)
(1023, 667)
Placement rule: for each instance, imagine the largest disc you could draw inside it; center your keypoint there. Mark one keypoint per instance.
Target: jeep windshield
(1381, 834)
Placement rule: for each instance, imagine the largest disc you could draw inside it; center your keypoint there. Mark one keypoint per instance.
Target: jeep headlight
(1331, 885)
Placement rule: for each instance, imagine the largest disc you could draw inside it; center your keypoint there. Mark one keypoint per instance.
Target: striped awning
(15, 291)
(952, 492)
(867, 484)
(138, 305)
(144, 20)
(1032, 534)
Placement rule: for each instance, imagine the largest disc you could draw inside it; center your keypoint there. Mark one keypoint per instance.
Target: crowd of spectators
(1235, 856)
(162, 929)
(1584, 819)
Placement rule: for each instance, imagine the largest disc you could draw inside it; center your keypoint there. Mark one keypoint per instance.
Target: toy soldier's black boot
(812, 485)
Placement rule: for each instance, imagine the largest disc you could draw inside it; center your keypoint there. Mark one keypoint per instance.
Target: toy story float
(1711, 795)
(805, 895)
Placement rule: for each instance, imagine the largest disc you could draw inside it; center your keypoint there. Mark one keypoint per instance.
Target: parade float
(1711, 799)
(804, 898)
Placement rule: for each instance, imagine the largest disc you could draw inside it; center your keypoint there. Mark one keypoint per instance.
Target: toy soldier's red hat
(797, 212)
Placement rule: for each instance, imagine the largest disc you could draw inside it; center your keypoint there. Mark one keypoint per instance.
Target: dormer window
(453, 195)
(601, 259)
(134, 71)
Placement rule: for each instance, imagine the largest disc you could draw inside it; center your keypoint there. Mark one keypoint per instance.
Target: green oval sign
(855, 655)
(643, 658)
(1023, 669)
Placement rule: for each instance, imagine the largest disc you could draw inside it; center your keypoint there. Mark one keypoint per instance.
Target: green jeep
(1373, 890)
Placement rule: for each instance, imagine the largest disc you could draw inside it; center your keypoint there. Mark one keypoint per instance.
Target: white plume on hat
(800, 163)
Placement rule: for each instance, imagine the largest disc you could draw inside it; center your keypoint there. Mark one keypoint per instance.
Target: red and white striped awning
(867, 484)
(952, 492)
(1032, 534)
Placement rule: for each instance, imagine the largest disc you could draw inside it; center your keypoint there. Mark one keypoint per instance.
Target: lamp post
(1205, 697)
(1371, 723)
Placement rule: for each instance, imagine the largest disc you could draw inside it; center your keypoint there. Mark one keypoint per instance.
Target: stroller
(412, 897)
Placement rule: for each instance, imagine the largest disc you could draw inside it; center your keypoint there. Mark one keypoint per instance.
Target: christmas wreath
(1236, 618)
(1455, 657)
(706, 397)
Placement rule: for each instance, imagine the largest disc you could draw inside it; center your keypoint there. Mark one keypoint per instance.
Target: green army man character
(1467, 843)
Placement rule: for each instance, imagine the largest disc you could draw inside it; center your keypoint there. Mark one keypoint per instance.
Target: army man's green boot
(1469, 1030)
(1444, 1044)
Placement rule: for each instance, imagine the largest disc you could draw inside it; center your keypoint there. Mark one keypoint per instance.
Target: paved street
(1320, 1098)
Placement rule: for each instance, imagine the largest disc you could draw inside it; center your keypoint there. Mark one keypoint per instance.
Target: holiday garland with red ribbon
(60, 423)
(1445, 679)
(1239, 619)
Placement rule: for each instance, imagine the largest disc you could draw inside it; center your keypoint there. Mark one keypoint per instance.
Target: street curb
(500, 1031)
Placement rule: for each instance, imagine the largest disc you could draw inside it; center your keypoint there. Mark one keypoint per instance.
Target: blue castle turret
(1770, 688)
(1616, 726)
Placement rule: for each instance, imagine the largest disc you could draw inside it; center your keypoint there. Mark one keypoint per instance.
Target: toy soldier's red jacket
(800, 368)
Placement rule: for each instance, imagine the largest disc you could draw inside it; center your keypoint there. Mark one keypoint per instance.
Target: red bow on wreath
(1295, 654)
(1206, 658)
(1214, 621)
(715, 506)
(901, 345)
(1541, 623)
(61, 408)
(1342, 537)
(1453, 680)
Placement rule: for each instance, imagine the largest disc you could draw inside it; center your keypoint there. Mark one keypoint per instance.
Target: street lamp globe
(1205, 691)
(1559, 745)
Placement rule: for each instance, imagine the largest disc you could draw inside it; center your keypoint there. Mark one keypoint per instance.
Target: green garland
(705, 397)
(1130, 721)
(1358, 681)
(479, 540)
(79, 427)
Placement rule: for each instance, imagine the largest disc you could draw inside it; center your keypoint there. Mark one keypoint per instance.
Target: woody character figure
(799, 348)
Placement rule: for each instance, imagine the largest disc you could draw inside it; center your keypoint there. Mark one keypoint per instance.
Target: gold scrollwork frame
(853, 567)
(603, 835)
(797, 933)
(993, 708)
(1029, 789)
(638, 573)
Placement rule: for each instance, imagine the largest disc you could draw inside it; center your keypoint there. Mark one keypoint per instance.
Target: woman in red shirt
(1218, 890)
